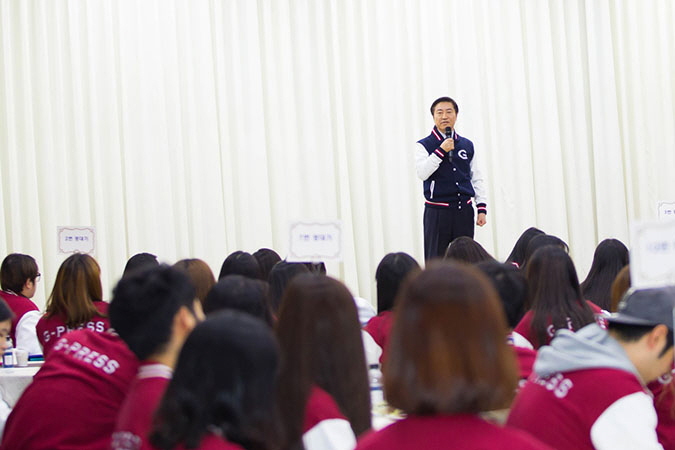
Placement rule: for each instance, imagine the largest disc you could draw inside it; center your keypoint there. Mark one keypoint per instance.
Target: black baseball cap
(646, 307)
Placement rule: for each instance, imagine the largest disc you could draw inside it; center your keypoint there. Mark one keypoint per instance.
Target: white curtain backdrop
(193, 128)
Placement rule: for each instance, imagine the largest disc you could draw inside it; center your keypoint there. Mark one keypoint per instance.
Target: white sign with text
(652, 253)
(666, 210)
(76, 240)
(315, 241)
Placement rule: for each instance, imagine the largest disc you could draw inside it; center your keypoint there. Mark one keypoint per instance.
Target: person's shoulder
(18, 303)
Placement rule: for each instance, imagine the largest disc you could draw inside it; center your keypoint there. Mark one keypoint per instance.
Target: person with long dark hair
(609, 258)
(542, 240)
(517, 256)
(554, 297)
(448, 361)
(76, 301)
(323, 390)
(241, 293)
(221, 396)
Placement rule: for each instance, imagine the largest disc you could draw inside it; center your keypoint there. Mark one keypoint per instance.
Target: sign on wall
(315, 241)
(652, 253)
(76, 240)
(666, 210)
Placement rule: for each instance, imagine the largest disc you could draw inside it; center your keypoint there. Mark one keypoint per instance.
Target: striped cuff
(481, 208)
(440, 153)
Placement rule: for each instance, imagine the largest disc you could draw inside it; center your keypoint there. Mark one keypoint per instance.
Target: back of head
(240, 293)
(266, 258)
(200, 275)
(144, 305)
(140, 261)
(15, 270)
(466, 250)
(280, 275)
(389, 275)
(240, 263)
(509, 281)
(320, 338)
(554, 294)
(518, 253)
(231, 394)
(447, 351)
(77, 286)
(609, 258)
(539, 241)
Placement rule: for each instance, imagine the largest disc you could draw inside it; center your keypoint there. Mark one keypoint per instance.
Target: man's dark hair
(443, 99)
(144, 305)
(140, 261)
(631, 333)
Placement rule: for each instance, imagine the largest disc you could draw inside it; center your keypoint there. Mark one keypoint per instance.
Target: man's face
(445, 116)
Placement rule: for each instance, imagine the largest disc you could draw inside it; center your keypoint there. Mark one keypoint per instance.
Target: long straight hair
(224, 383)
(320, 339)
(609, 258)
(554, 293)
(77, 286)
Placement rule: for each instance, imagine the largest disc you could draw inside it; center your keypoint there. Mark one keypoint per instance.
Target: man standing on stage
(445, 163)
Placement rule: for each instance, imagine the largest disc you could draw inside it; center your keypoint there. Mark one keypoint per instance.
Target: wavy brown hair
(77, 286)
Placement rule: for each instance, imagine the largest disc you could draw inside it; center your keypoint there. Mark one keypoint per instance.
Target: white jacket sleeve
(330, 434)
(426, 163)
(629, 423)
(478, 180)
(26, 335)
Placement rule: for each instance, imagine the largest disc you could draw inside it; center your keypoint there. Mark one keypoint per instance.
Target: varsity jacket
(448, 180)
(586, 394)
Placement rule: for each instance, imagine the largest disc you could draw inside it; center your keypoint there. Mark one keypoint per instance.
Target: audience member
(266, 258)
(18, 279)
(542, 240)
(510, 283)
(448, 361)
(6, 316)
(76, 301)
(620, 286)
(240, 293)
(140, 261)
(588, 389)
(280, 275)
(200, 275)
(226, 402)
(167, 296)
(517, 256)
(555, 297)
(240, 263)
(74, 399)
(390, 273)
(609, 258)
(465, 249)
(323, 384)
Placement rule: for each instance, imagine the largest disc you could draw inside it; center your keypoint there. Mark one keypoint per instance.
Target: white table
(13, 381)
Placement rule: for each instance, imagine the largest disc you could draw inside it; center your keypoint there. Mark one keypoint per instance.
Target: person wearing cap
(588, 389)
(446, 164)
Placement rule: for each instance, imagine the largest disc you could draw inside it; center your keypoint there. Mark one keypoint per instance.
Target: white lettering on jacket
(558, 384)
(87, 355)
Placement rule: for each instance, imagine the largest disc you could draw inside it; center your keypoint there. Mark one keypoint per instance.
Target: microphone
(448, 132)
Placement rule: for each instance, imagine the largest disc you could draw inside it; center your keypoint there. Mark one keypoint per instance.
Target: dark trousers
(442, 225)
